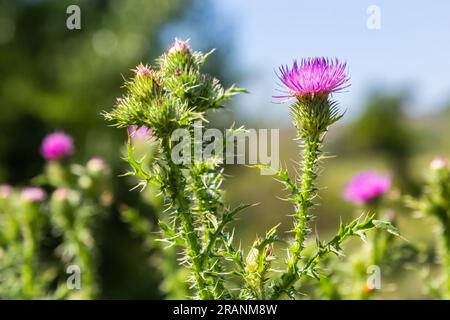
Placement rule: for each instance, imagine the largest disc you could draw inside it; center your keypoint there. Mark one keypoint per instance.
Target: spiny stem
(176, 187)
(305, 198)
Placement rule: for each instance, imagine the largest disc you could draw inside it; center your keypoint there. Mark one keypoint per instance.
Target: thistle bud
(179, 46)
(252, 260)
(142, 70)
(268, 251)
(96, 165)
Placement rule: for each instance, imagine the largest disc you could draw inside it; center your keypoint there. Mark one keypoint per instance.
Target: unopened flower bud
(179, 46)
(251, 260)
(142, 70)
(268, 250)
(96, 165)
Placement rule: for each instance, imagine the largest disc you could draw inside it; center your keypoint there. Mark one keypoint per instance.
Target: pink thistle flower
(140, 133)
(179, 46)
(366, 187)
(439, 163)
(142, 70)
(33, 194)
(57, 145)
(313, 76)
(5, 191)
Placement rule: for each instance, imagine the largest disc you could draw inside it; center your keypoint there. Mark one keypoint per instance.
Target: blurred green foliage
(383, 129)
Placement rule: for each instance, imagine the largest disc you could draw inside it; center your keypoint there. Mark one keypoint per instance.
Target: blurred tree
(383, 128)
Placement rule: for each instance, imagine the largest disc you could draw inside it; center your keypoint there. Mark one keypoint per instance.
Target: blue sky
(411, 50)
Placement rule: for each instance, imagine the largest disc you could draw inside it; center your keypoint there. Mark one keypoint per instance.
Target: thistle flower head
(314, 76)
(179, 46)
(366, 187)
(33, 194)
(5, 191)
(142, 70)
(57, 145)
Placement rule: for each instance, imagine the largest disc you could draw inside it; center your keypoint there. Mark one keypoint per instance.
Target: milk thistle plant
(79, 196)
(175, 94)
(367, 190)
(310, 85)
(67, 200)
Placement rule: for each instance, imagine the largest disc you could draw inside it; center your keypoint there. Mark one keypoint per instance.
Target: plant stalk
(311, 153)
(176, 186)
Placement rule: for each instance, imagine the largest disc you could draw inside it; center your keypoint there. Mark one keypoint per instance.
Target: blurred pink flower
(5, 191)
(439, 163)
(96, 164)
(57, 145)
(61, 194)
(33, 194)
(366, 186)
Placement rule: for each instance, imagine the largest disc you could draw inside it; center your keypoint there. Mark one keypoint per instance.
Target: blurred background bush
(53, 78)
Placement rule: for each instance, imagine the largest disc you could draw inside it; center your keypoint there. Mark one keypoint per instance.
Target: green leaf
(385, 225)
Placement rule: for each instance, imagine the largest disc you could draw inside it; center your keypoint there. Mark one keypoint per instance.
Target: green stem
(29, 248)
(175, 187)
(85, 261)
(304, 200)
(378, 250)
(446, 259)
(209, 238)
